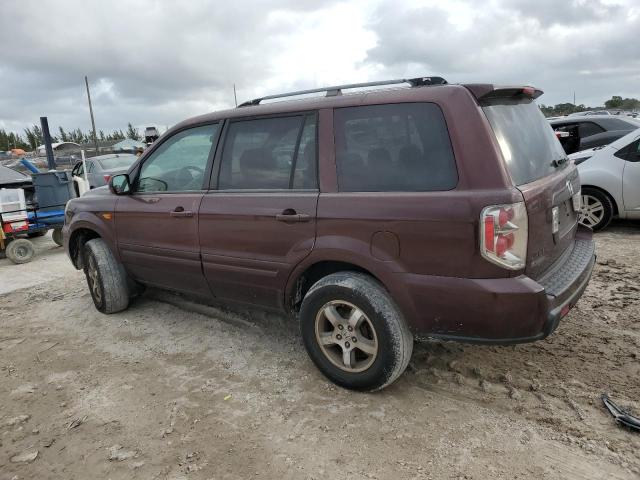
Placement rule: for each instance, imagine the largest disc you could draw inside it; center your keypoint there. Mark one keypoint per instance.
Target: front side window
(269, 153)
(179, 163)
(394, 148)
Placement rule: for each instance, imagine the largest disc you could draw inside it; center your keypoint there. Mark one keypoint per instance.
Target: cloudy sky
(156, 62)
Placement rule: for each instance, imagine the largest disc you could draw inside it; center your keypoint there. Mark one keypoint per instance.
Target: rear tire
(354, 332)
(20, 250)
(106, 278)
(57, 237)
(597, 209)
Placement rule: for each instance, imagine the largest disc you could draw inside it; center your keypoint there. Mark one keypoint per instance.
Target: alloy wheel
(592, 211)
(346, 336)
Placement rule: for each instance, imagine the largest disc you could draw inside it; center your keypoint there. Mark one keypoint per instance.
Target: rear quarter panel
(604, 170)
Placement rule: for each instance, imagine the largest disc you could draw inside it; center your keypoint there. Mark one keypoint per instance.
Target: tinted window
(620, 123)
(526, 139)
(179, 163)
(588, 128)
(630, 153)
(397, 147)
(90, 167)
(269, 153)
(306, 165)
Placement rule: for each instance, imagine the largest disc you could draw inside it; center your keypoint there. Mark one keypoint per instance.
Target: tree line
(614, 103)
(33, 137)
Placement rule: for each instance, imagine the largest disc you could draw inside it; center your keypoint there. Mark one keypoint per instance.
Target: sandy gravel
(171, 389)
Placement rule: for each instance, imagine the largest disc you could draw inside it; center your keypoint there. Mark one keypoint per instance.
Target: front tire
(597, 209)
(57, 237)
(354, 332)
(106, 278)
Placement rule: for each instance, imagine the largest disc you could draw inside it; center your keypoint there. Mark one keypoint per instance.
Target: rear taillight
(107, 178)
(503, 235)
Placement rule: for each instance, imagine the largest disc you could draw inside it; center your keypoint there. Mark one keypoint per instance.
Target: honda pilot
(372, 217)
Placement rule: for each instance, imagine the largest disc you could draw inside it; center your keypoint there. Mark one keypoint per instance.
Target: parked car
(591, 131)
(445, 211)
(610, 178)
(590, 112)
(99, 170)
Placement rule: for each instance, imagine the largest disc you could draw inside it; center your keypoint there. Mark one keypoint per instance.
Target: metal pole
(93, 123)
(235, 98)
(46, 136)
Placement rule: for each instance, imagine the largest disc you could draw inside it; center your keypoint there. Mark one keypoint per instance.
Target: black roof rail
(337, 89)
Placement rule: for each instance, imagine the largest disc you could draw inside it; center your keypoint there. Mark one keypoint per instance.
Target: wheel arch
(308, 273)
(77, 239)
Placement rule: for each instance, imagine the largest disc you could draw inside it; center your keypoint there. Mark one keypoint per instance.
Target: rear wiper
(559, 162)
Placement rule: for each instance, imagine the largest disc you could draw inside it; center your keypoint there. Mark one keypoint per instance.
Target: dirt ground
(171, 389)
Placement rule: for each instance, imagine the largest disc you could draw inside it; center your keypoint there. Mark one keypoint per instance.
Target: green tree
(132, 132)
(63, 135)
(614, 102)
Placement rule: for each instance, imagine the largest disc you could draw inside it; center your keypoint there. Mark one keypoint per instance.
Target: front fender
(102, 223)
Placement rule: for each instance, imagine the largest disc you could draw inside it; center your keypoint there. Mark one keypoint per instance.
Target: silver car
(99, 170)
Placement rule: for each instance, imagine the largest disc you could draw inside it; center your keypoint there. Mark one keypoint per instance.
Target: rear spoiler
(487, 91)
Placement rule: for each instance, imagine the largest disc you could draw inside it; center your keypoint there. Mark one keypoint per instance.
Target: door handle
(290, 216)
(181, 212)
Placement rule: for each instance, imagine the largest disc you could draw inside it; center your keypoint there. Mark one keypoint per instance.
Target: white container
(12, 200)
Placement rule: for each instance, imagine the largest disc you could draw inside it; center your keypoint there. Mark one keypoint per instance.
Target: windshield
(124, 161)
(529, 146)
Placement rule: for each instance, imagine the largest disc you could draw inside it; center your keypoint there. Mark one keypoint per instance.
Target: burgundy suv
(433, 210)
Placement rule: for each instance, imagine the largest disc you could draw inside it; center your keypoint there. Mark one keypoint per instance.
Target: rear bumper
(503, 310)
(566, 281)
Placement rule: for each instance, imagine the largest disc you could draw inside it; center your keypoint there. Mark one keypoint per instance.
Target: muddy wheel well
(613, 200)
(314, 273)
(76, 243)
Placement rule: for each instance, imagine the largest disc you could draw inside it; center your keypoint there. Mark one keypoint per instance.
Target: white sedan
(610, 177)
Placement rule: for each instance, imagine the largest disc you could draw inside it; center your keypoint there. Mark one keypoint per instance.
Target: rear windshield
(124, 161)
(527, 141)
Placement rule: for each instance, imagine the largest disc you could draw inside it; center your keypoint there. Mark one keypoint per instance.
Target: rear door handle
(290, 216)
(181, 212)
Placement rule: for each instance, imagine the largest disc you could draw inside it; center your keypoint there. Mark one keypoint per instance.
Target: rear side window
(630, 153)
(589, 128)
(393, 148)
(270, 153)
(528, 144)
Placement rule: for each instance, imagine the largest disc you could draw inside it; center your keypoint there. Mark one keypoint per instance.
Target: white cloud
(155, 62)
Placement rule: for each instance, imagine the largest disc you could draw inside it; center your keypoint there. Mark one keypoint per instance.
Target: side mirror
(119, 184)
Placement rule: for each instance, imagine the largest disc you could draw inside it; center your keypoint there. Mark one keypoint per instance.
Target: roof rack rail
(337, 89)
